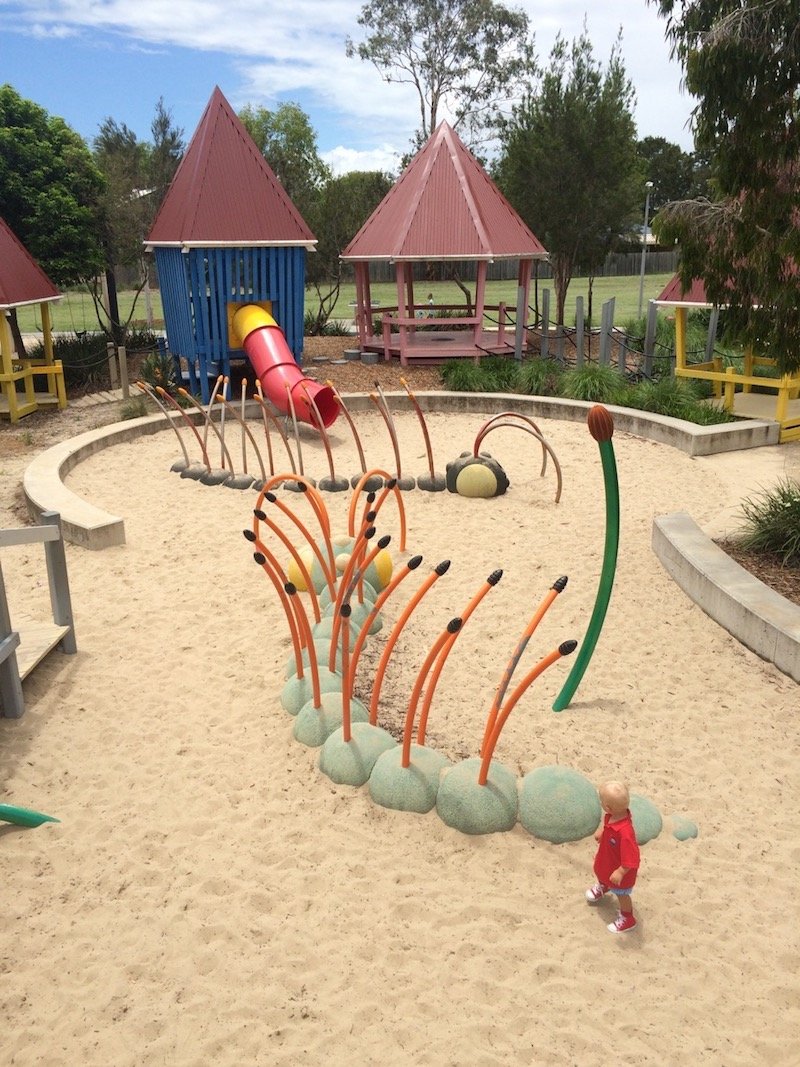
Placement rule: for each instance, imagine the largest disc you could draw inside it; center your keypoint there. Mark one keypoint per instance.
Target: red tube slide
(265, 346)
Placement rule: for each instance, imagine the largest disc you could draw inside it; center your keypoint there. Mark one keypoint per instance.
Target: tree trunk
(562, 275)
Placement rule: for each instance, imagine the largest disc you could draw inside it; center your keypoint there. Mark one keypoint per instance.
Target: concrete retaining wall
(762, 620)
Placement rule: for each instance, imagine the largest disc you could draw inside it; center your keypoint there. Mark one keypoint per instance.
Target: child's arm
(616, 876)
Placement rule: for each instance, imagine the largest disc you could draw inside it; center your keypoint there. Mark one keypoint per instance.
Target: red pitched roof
(22, 280)
(444, 206)
(224, 191)
(674, 293)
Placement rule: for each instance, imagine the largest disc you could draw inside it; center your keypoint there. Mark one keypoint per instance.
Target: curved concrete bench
(762, 620)
(43, 483)
(89, 526)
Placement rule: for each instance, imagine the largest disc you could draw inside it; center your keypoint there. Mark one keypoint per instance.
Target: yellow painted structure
(14, 369)
(726, 383)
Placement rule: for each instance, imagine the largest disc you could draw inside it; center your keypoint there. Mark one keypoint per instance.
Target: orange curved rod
(345, 628)
(387, 418)
(543, 443)
(423, 425)
(293, 413)
(380, 600)
(508, 415)
(354, 581)
(298, 560)
(273, 499)
(175, 404)
(563, 649)
(306, 486)
(558, 586)
(149, 391)
(262, 561)
(302, 621)
(490, 583)
(397, 495)
(314, 410)
(260, 399)
(450, 630)
(209, 406)
(317, 503)
(210, 422)
(268, 414)
(359, 547)
(343, 407)
(434, 576)
(229, 407)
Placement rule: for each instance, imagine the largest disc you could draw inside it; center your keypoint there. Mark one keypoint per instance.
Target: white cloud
(297, 51)
(342, 160)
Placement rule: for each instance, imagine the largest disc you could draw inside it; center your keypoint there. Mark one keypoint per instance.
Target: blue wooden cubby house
(226, 234)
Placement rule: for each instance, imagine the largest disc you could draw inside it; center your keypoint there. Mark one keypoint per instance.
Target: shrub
(83, 356)
(158, 370)
(140, 339)
(464, 376)
(773, 522)
(500, 375)
(540, 377)
(314, 327)
(594, 382)
(134, 409)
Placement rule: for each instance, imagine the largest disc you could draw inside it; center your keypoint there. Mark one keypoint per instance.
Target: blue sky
(86, 60)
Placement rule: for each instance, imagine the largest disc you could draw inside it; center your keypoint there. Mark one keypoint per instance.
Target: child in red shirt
(617, 859)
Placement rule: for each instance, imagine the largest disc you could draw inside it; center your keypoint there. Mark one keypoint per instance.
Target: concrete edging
(43, 483)
(91, 527)
(758, 617)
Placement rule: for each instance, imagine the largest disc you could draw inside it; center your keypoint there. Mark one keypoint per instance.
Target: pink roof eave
(27, 303)
(308, 245)
(455, 257)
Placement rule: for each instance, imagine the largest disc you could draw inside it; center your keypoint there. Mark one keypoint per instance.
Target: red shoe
(621, 924)
(595, 893)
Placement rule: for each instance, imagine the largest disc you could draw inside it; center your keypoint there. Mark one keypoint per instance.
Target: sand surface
(209, 897)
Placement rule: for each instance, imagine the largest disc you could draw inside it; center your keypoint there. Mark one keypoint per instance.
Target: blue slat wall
(196, 287)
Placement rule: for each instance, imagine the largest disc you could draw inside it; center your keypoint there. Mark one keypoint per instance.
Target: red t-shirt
(617, 848)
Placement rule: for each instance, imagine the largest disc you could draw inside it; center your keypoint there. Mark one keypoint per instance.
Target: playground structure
(473, 474)
(23, 282)
(226, 235)
(477, 795)
(22, 650)
(410, 225)
(739, 393)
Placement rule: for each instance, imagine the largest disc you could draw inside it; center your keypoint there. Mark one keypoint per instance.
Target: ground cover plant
(593, 382)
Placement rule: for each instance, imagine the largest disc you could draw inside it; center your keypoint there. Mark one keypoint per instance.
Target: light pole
(648, 186)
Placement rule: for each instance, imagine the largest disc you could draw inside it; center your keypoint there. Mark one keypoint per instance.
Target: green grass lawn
(75, 312)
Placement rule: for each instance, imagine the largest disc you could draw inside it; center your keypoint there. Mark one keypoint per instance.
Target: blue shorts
(619, 892)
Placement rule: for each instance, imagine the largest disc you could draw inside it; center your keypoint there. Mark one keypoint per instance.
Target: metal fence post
(579, 331)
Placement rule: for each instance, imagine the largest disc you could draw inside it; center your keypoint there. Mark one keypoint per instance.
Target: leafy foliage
(158, 371)
(84, 357)
(675, 174)
(742, 60)
(49, 190)
(569, 162)
(463, 57)
(594, 382)
(288, 142)
(540, 377)
(773, 522)
(341, 208)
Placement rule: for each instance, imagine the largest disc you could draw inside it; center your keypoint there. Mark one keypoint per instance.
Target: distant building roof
(444, 206)
(673, 293)
(22, 280)
(225, 193)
